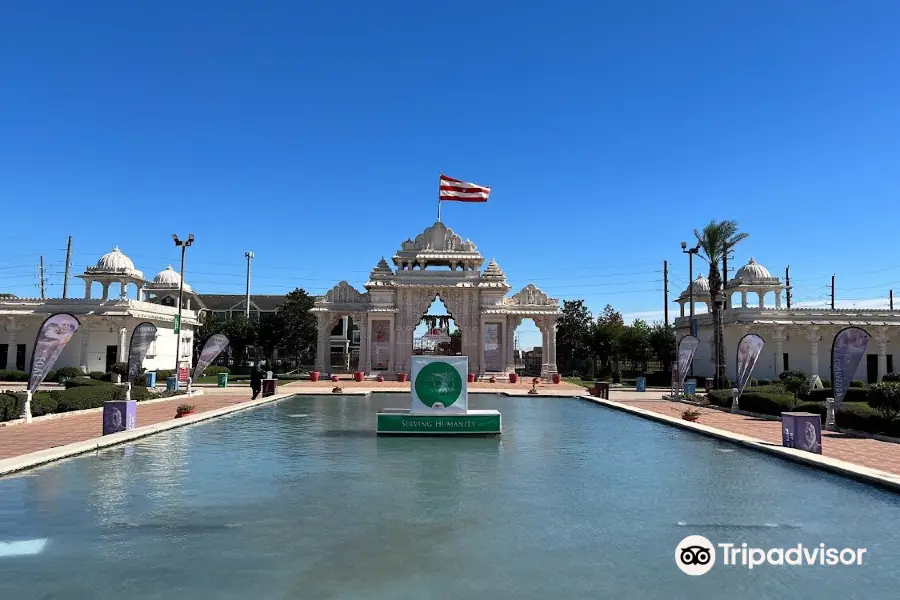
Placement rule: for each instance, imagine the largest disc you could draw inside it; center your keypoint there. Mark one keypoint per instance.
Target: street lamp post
(183, 244)
(691, 252)
(720, 302)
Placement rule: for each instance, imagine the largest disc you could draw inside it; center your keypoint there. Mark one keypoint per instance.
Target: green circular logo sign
(438, 382)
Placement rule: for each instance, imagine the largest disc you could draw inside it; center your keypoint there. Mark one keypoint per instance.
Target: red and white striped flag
(454, 190)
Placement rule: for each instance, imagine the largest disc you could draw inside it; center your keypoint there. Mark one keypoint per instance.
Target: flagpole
(439, 196)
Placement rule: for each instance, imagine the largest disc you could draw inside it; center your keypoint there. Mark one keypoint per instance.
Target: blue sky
(313, 133)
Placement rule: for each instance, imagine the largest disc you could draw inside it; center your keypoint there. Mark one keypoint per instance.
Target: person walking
(256, 377)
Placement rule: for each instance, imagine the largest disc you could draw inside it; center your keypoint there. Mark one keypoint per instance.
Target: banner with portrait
(213, 347)
(748, 352)
(52, 338)
(493, 355)
(687, 347)
(141, 338)
(381, 345)
(847, 350)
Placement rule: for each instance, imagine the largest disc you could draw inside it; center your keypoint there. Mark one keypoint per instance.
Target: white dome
(115, 261)
(169, 278)
(700, 287)
(753, 272)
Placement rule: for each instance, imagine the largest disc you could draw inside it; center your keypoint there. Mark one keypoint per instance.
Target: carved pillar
(743, 299)
(813, 337)
(779, 350)
(777, 298)
(123, 289)
(87, 289)
(881, 337)
(762, 299)
(105, 295)
(512, 321)
(362, 319)
(123, 346)
(323, 357)
(551, 340)
(482, 367)
(85, 346)
(12, 329)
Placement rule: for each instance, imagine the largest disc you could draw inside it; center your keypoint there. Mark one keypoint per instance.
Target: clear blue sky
(313, 133)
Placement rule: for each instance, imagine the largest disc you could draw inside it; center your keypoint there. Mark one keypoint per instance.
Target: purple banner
(141, 338)
(847, 351)
(686, 349)
(213, 347)
(749, 349)
(51, 339)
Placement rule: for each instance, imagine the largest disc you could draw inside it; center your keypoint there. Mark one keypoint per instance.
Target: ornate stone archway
(437, 263)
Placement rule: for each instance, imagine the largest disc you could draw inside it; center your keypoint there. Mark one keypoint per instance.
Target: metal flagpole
(439, 196)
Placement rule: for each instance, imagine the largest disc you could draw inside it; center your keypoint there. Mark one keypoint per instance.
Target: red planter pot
(334, 378)
(402, 377)
(380, 379)
(513, 378)
(179, 415)
(493, 380)
(556, 378)
(313, 375)
(471, 377)
(358, 376)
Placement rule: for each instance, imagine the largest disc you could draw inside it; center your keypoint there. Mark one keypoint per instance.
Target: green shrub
(51, 376)
(885, 398)
(11, 406)
(852, 395)
(42, 403)
(13, 375)
(163, 374)
(65, 372)
(860, 417)
(215, 370)
(82, 382)
(119, 369)
(826, 383)
(763, 382)
(856, 383)
(98, 375)
(88, 396)
(891, 377)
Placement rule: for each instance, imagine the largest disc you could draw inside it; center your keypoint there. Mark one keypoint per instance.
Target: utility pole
(832, 292)
(249, 257)
(666, 291)
(43, 295)
(68, 263)
(891, 297)
(787, 284)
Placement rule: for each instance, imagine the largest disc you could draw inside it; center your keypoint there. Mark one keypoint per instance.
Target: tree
(606, 336)
(662, 344)
(241, 332)
(885, 398)
(573, 335)
(635, 344)
(299, 334)
(796, 383)
(270, 334)
(716, 240)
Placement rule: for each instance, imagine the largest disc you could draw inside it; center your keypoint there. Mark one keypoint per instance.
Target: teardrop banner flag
(51, 339)
(847, 351)
(748, 352)
(141, 338)
(213, 347)
(686, 349)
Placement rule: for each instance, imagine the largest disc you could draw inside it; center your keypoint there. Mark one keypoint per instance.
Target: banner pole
(27, 409)
(439, 196)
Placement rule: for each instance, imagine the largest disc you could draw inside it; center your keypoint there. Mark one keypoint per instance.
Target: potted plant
(380, 379)
(313, 375)
(358, 376)
(513, 378)
(334, 378)
(556, 378)
(337, 390)
(493, 379)
(690, 415)
(534, 383)
(183, 410)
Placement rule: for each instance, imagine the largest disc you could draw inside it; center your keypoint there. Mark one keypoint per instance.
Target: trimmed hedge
(13, 375)
(857, 416)
(80, 396)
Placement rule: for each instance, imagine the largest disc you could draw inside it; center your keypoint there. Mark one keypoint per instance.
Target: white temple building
(795, 338)
(107, 319)
(438, 263)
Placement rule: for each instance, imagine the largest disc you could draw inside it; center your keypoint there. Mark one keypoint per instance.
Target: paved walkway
(867, 452)
(561, 388)
(18, 439)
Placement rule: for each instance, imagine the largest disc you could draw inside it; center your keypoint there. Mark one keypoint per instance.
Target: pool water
(299, 499)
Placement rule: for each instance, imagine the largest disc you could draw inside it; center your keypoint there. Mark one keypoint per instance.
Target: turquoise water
(299, 499)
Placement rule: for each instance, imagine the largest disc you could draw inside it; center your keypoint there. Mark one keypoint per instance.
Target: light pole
(183, 244)
(720, 302)
(691, 252)
(249, 257)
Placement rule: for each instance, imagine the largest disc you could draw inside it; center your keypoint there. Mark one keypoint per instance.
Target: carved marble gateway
(437, 263)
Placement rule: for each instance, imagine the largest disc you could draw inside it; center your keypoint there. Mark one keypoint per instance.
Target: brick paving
(866, 452)
(42, 434)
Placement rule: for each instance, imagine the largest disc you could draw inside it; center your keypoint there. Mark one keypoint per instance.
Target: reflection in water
(265, 505)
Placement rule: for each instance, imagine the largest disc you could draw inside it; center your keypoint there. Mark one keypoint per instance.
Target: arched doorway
(437, 333)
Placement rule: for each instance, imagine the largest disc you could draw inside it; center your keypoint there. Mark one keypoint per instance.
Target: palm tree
(716, 240)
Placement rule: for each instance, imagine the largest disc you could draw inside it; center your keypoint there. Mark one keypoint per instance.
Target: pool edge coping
(881, 479)
(9, 466)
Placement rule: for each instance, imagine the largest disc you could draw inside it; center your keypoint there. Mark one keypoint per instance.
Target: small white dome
(169, 278)
(752, 272)
(700, 286)
(116, 262)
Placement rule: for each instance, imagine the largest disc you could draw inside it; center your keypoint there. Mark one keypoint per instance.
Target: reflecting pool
(299, 499)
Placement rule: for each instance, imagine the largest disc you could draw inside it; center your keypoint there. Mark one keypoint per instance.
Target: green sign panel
(438, 382)
(177, 324)
(438, 424)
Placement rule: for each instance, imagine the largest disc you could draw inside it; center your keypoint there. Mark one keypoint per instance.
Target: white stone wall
(100, 333)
